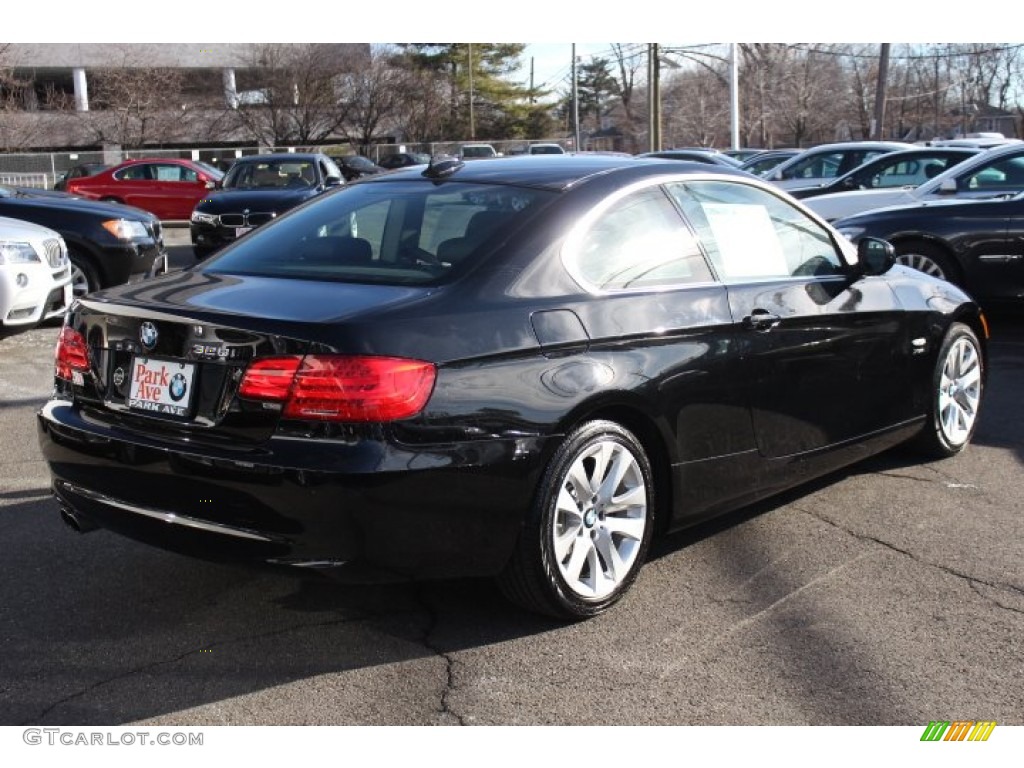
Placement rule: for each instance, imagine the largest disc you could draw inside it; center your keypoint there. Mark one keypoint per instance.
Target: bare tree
(695, 105)
(15, 131)
(628, 64)
(805, 95)
(373, 92)
(296, 93)
(134, 105)
(762, 64)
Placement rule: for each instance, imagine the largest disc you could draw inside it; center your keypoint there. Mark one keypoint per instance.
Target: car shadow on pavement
(101, 630)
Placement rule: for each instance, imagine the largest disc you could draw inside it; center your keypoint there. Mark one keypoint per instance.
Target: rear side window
(136, 173)
(639, 241)
(404, 232)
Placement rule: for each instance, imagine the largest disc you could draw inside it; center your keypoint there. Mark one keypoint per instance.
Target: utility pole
(653, 97)
(533, 99)
(883, 76)
(472, 122)
(575, 104)
(734, 94)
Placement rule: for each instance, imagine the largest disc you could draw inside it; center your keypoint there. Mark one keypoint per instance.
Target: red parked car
(166, 187)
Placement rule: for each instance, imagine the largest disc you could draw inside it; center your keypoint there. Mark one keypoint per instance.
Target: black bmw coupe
(525, 368)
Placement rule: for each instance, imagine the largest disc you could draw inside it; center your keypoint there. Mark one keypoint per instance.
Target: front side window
(750, 233)
(1003, 175)
(639, 241)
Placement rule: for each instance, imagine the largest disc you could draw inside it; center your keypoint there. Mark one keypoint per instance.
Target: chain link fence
(42, 170)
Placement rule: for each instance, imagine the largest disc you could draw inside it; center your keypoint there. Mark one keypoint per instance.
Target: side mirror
(947, 187)
(875, 256)
(333, 181)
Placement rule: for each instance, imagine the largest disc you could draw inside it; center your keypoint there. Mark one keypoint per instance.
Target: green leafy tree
(596, 87)
(483, 99)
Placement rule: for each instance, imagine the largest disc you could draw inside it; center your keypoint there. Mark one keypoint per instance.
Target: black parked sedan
(108, 244)
(257, 189)
(356, 167)
(403, 160)
(977, 244)
(695, 155)
(523, 368)
(77, 172)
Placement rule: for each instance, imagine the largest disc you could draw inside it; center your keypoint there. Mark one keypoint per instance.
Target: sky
(542, 22)
(552, 62)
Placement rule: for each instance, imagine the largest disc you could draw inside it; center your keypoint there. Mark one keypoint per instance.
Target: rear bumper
(451, 510)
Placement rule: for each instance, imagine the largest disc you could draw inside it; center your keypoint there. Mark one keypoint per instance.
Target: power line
(846, 54)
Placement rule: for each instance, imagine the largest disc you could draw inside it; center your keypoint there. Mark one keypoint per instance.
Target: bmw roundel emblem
(178, 387)
(148, 335)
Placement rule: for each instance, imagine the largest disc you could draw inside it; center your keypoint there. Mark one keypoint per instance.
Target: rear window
(397, 233)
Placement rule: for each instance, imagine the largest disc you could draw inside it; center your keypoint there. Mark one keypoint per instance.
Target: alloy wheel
(599, 519)
(959, 391)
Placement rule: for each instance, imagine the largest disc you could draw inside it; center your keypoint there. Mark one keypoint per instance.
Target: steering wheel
(414, 256)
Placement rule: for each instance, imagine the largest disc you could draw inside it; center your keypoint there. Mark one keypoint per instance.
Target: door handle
(761, 320)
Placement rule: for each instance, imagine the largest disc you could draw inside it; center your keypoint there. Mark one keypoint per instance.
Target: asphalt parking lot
(889, 594)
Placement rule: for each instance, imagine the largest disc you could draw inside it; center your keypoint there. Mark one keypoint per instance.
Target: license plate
(239, 231)
(161, 386)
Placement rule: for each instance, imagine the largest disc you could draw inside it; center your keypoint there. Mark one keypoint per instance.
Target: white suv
(35, 274)
(477, 151)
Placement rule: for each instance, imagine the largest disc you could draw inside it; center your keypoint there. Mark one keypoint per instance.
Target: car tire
(590, 526)
(956, 386)
(928, 258)
(84, 278)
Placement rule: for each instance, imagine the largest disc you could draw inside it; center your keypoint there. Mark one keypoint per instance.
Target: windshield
(396, 233)
(215, 173)
(271, 174)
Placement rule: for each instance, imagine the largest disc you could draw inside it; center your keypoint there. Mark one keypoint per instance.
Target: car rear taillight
(72, 353)
(269, 378)
(341, 388)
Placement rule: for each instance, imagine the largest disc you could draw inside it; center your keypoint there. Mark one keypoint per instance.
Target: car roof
(558, 172)
(285, 156)
(859, 145)
(136, 160)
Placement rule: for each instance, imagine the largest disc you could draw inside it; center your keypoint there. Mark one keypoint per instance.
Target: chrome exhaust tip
(76, 522)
